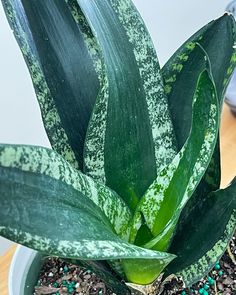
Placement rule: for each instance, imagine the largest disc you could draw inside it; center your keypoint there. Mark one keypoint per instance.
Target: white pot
(24, 271)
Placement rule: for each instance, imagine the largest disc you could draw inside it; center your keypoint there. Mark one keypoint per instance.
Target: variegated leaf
(180, 75)
(50, 216)
(167, 196)
(181, 72)
(130, 136)
(46, 162)
(63, 60)
(37, 209)
(205, 235)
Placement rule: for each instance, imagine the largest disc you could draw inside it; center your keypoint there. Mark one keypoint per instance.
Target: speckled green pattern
(217, 38)
(145, 54)
(175, 184)
(47, 162)
(132, 95)
(177, 65)
(89, 39)
(58, 220)
(128, 161)
(230, 69)
(52, 121)
(197, 270)
(94, 146)
(85, 249)
(204, 234)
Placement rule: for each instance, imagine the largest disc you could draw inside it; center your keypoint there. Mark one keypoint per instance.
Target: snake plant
(131, 184)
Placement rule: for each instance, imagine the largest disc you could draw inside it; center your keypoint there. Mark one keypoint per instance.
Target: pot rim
(22, 257)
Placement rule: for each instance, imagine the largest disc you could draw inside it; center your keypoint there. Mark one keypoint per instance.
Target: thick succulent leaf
(183, 68)
(130, 125)
(204, 235)
(63, 62)
(181, 72)
(141, 271)
(166, 197)
(48, 163)
(50, 216)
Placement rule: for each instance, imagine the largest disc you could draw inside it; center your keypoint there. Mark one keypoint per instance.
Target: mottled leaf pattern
(47, 162)
(180, 75)
(63, 66)
(137, 138)
(107, 112)
(205, 235)
(218, 39)
(166, 197)
(52, 217)
(181, 72)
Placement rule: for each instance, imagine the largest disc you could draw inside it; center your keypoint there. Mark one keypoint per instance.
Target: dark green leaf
(182, 70)
(130, 136)
(205, 234)
(180, 76)
(167, 196)
(58, 54)
(39, 209)
(48, 163)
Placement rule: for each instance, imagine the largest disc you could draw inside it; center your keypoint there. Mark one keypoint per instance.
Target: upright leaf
(181, 72)
(180, 75)
(166, 197)
(218, 39)
(63, 67)
(204, 235)
(134, 134)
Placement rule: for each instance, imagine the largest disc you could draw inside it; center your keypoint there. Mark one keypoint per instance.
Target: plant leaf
(63, 66)
(204, 236)
(180, 74)
(166, 197)
(36, 210)
(48, 163)
(50, 216)
(133, 133)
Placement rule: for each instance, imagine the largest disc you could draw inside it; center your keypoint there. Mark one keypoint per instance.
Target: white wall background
(169, 22)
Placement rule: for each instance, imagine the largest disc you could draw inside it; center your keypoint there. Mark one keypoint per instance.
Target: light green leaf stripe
(146, 57)
(52, 121)
(84, 249)
(94, 147)
(88, 36)
(190, 274)
(164, 196)
(47, 162)
(50, 216)
(143, 49)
